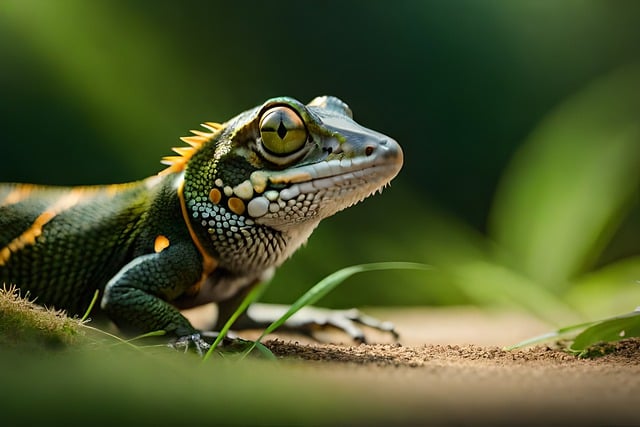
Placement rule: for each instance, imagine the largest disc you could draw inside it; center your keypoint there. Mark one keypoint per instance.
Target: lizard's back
(60, 244)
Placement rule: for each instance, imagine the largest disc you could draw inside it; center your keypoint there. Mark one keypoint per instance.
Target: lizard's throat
(235, 241)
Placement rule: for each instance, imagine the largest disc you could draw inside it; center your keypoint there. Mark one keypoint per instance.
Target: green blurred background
(518, 119)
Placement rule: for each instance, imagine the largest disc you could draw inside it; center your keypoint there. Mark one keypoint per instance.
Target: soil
(456, 335)
(624, 353)
(449, 367)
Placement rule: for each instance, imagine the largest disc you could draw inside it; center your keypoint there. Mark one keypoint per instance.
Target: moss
(26, 324)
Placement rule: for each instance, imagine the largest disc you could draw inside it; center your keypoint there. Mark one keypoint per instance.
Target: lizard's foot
(309, 318)
(192, 341)
(202, 341)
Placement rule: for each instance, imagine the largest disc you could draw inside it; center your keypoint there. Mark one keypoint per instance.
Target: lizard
(228, 209)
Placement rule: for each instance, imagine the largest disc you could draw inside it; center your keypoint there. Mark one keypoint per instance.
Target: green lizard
(232, 206)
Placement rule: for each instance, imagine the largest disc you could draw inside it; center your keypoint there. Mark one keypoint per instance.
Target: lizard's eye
(282, 131)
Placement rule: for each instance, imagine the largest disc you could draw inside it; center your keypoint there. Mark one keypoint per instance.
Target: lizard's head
(281, 167)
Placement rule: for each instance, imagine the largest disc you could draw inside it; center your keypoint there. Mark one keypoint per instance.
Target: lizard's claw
(356, 316)
(193, 341)
(349, 321)
(202, 341)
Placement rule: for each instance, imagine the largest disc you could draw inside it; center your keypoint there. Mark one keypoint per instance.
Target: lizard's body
(225, 213)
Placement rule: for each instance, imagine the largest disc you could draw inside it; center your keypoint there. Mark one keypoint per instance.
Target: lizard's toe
(349, 321)
(192, 341)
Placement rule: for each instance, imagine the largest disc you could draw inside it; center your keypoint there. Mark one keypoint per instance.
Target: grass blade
(252, 296)
(326, 285)
(85, 316)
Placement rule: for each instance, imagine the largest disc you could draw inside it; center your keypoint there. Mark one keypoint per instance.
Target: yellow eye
(282, 131)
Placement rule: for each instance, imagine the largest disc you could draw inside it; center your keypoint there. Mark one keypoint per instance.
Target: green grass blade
(158, 333)
(252, 296)
(326, 285)
(93, 302)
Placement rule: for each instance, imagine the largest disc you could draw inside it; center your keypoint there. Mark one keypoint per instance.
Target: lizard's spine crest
(178, 163)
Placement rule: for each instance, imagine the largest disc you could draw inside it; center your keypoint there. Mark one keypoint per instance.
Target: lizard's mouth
(320, 189)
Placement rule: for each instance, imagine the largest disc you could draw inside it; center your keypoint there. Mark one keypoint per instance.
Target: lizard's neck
(237, 242)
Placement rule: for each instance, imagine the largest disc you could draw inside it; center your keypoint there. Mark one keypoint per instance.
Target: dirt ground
(448, 367)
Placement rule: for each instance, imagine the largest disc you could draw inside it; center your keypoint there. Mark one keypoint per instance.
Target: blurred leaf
(161, 384)
(610, 289)
(466, 258)
(489, 283)
(112, 72)
(610, 330)
(567, 187)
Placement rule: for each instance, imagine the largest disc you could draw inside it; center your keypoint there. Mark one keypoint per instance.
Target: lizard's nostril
(368, 150)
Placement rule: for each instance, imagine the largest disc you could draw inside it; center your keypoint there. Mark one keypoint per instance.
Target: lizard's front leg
(136, 298)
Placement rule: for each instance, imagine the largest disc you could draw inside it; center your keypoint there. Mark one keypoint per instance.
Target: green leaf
(265, 351)
(599, 331)
(550, 335)
(610, 330)
(568, 186)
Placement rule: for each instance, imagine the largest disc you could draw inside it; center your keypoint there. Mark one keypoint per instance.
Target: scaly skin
(219, 219)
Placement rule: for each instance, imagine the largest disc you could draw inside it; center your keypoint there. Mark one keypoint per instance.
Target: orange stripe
(19, 193)
(209, 263)
(29, 236)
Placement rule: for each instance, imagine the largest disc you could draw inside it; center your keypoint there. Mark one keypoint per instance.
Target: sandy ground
(449, 368)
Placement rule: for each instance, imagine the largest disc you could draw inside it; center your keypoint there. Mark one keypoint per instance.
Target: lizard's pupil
(282, 130)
